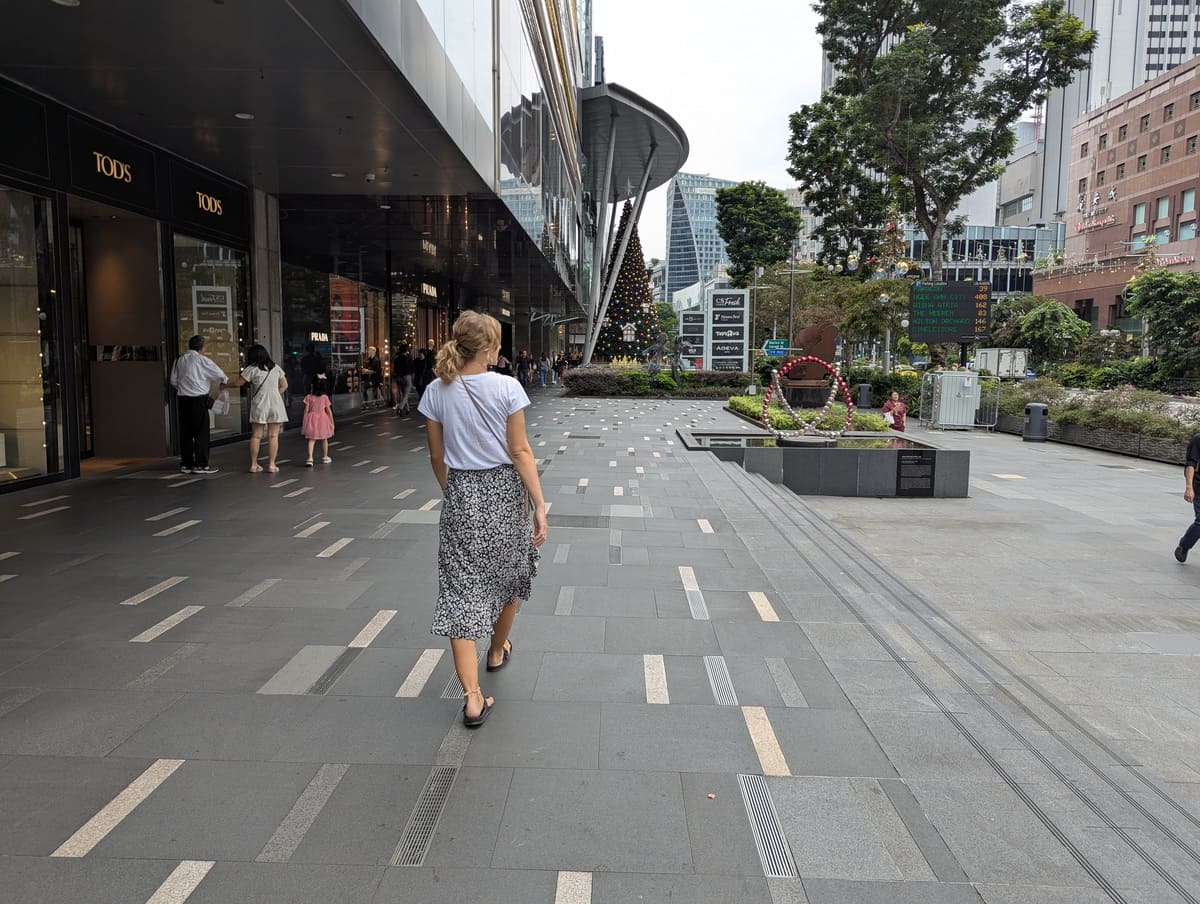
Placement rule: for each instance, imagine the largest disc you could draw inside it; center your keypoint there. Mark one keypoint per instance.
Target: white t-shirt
(473, 444)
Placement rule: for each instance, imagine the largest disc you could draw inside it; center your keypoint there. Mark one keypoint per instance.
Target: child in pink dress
(318, 419)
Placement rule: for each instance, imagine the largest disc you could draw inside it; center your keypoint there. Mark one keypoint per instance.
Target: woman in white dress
(267, 412)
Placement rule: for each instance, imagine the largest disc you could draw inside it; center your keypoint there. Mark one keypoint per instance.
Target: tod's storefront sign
(112, 166)
(205, 200)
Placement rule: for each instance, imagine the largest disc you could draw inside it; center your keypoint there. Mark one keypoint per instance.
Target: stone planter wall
(1153, 448)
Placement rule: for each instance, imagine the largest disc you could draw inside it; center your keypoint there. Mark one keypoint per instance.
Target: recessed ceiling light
(338, 175)
(65, 2)
(246, 116)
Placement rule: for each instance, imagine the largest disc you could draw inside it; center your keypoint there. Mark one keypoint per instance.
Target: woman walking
(267, 411)
(493, 515)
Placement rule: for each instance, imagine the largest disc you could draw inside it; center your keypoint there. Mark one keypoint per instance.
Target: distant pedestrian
(493, 514)
(267, 413)
(895, 412)
(1191, 493)
(402, 380)
(543, 368)
(192, 377)
(372, 371)
(318, 419)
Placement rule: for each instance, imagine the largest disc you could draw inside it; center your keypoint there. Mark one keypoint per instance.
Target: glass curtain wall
(30, 443)
(213, 300)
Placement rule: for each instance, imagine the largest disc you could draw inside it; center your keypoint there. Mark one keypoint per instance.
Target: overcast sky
(730, 73)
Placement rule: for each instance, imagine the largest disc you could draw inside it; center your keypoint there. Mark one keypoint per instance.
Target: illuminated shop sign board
(110, 165)
(950, 312)
(727, 319)
(201, 199)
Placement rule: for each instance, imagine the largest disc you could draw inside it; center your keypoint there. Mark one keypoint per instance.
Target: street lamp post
(884, 298)
(752, 344)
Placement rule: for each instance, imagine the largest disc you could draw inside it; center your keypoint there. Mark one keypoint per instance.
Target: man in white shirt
(192, 378)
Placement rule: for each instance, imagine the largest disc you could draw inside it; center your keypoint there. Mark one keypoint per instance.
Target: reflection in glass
(24, 342)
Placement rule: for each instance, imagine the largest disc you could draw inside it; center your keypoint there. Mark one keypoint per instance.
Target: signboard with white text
(726, 328)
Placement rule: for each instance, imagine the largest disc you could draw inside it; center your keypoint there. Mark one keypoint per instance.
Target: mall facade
(344, 174)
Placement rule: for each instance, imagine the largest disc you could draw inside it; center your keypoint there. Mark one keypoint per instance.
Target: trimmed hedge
(1125, 410)
(1142, 373)
(631, 382)
(751, 406)
(883, 385)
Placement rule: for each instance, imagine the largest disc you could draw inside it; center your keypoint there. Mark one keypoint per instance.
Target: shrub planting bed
(619, 382)
(750, 408)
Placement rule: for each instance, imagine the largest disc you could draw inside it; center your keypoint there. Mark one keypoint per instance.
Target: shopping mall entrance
(117, 305)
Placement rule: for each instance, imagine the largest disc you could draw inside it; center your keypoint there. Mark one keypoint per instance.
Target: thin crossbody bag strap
(261, 384)
(500, 439)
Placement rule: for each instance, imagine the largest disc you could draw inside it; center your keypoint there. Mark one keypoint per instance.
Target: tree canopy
(928, 93)
(758, 227)
(1170, 302)
(1052, 330)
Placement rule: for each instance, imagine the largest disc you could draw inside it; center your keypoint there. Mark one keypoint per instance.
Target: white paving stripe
(149, 592)
(40, 502)
(430, 505)
(705, 526)
(183, 483)
(417, 449)
(380, 469)
(6, 577)
(294, 493)
(419, 676)
(254, 592)
(183, 525)
(166, 624)
(372, 629)
(162, 516)
(573, 888)
(8, 555)
(766, 745)
(404, 494)
(561, 552)
(304, 813)
(285, 483)
(359, 464)
(688, 577)
(184, 880)
(44, 512)
(110, 816)
(656, 679)
(765, 610)
(333, 548)
(310, 530)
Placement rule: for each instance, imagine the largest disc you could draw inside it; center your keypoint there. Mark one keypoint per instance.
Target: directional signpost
(776, 348)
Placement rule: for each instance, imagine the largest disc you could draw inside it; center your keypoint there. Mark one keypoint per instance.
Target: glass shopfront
(30, 442)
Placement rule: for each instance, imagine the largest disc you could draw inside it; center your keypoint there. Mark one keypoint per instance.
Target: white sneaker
(326, 459)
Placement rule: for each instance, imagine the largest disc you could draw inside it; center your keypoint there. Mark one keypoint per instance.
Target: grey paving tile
(722, 843)
(81, 881)
(927, 746)
(550, 633)
(223, 667)
(443, 885)
(818, 685)
(661, 636)
(79, 722)
(232, 809)
(835, 640)
(778, 639)
(252, 727)
(369, 730)
(363, 820)
(677, 738)
(838, 891)
(549, 735)
(613, 601)
(586, 820)
(276, 883)
(687, 680)
(468, 831)
(1028, 894)
(292, 594)
(828, 742)
(626, 888)
(94, 665)
(591, 677)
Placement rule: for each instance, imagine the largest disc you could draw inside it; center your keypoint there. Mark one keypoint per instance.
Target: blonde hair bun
(473, 333)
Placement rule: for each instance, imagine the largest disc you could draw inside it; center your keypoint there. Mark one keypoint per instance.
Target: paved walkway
(224, 690)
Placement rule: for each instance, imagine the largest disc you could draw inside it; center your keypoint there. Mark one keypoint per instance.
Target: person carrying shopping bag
(493, 515)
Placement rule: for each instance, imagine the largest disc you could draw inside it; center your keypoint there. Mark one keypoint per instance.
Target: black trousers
(193, 431)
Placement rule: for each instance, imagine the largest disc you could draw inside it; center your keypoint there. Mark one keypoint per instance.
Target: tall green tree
(758, 226)
(827, 156)
(1170, 302)
(934, 89)
(1052, 331)
(632, 303)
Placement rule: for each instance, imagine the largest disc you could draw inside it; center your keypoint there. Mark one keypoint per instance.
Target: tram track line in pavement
(798, 514)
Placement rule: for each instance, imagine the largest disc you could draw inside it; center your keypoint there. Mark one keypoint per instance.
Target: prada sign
(201, 199)
(110, 165)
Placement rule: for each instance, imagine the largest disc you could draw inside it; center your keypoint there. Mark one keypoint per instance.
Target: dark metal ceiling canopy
(639, 127)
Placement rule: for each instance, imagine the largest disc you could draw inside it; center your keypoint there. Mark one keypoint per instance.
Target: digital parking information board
(727, 326)
(950, 312)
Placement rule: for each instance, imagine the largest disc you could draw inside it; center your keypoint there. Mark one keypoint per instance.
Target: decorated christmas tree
(631, 312)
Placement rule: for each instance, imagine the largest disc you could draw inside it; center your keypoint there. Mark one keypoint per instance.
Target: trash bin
(864, 395)
(1037, 423)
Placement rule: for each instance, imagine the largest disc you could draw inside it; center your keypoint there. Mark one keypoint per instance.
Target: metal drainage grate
(772, 846)
(696, 603)
(414, 843)
(334, 672)
(722, 684)
(453, 689)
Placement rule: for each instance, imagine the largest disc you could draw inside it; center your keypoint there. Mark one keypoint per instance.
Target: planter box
(1153, 448)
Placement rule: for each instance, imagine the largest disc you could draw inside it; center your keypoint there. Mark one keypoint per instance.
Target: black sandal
(505, 654)
(483, 713)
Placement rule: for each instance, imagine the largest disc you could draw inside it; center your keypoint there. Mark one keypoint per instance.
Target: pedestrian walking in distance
(493, 514)
(318, 419)
(1191, 493)
(192, 377)
(267, 412)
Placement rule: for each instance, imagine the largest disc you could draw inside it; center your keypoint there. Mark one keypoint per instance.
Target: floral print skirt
(486, 556)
